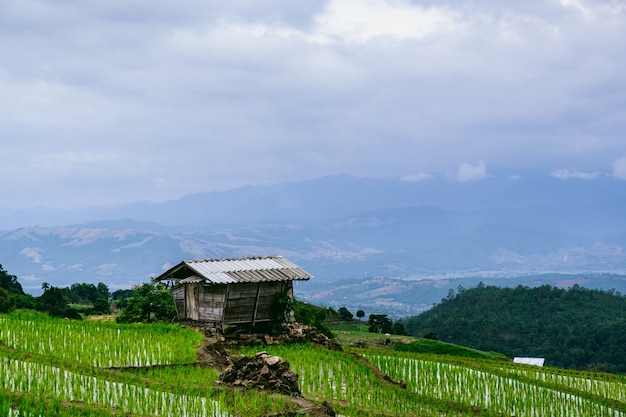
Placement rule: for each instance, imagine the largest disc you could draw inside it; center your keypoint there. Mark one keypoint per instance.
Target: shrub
(7, 301)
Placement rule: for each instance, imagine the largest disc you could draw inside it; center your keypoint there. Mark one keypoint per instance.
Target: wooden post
(226, 295)
(185, 301)
(256, 303)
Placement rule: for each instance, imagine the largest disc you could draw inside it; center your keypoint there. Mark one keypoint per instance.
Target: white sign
(530, 361)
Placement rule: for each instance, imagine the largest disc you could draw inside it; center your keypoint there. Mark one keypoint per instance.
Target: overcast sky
(106, 102)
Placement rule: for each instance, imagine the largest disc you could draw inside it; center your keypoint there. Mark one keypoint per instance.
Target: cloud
(564, 174)
(578, 5)
(466, 172)
(111, 103)
(32, 254)
(619, 168)
(364, 20)
(421, 176)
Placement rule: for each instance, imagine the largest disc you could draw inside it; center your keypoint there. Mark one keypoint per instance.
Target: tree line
(377, 323)
(151, 302)
(70, 302)
(574, 328)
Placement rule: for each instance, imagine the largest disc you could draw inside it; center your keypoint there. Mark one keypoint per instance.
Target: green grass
(355, 334)
(52, 367)
(441, 379)
(435, 347)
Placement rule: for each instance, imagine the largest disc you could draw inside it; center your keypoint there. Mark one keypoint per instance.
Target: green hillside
(55, 367)
(573, 328)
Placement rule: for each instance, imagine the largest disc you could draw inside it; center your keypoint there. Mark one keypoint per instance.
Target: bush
(313, 316)
(25, 301)
(7, 301)
(101, 306)
(345, 314)
(149, 303)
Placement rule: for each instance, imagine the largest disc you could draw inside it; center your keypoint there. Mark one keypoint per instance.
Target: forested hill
(575, 328)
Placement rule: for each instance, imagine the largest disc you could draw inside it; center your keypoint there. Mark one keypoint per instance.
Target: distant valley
(416, 240)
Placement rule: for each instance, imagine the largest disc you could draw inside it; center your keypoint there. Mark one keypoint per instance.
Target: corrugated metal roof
(228, 271)
(190, 280)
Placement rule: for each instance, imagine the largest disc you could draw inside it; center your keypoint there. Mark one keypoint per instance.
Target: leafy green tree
(379, 323)
(87, 293)
(83, 293)
(7, 301)
(345, 314)
(14, 288)
(103, 291)
(120, 298)
(431, 336)
(101, 306)
(360, 314)
(55, 302)
(313, 316)
(25, 301)
(575, 328)
(150, 303)
(9, 282)
(398, 328)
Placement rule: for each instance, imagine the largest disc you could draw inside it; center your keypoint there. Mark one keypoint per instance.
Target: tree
(55, 302)
(573, 327)
(150, 302)
(398, 328)
(360, 314)
(344, 314)
(7, 301)
(379, 323)
(86, 293)
(313, 316)
(14, 289)
(120, 298)
(9, 282)
(102, 292)
(25, 301)
(101, 306)
(83, 293)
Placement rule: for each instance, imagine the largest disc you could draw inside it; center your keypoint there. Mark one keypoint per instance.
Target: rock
(329, 409)
(273, 360)
(262, 371)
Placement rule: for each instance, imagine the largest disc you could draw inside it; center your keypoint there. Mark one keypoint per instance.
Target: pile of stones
(261, 371)
(291, 333)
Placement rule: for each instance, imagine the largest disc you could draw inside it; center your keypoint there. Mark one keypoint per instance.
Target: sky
(109, 102)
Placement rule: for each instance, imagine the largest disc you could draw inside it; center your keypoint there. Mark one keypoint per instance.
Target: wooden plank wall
(179, 300)
(191, 300)
(211, 303)
(242, 302)
(229, 304)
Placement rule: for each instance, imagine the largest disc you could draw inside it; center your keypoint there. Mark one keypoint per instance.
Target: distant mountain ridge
(342, 195)
(337, 228)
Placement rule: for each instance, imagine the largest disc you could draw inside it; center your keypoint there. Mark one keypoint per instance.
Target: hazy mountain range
(339, 228)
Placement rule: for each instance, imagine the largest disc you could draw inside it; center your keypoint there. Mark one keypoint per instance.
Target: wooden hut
(232, 291)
